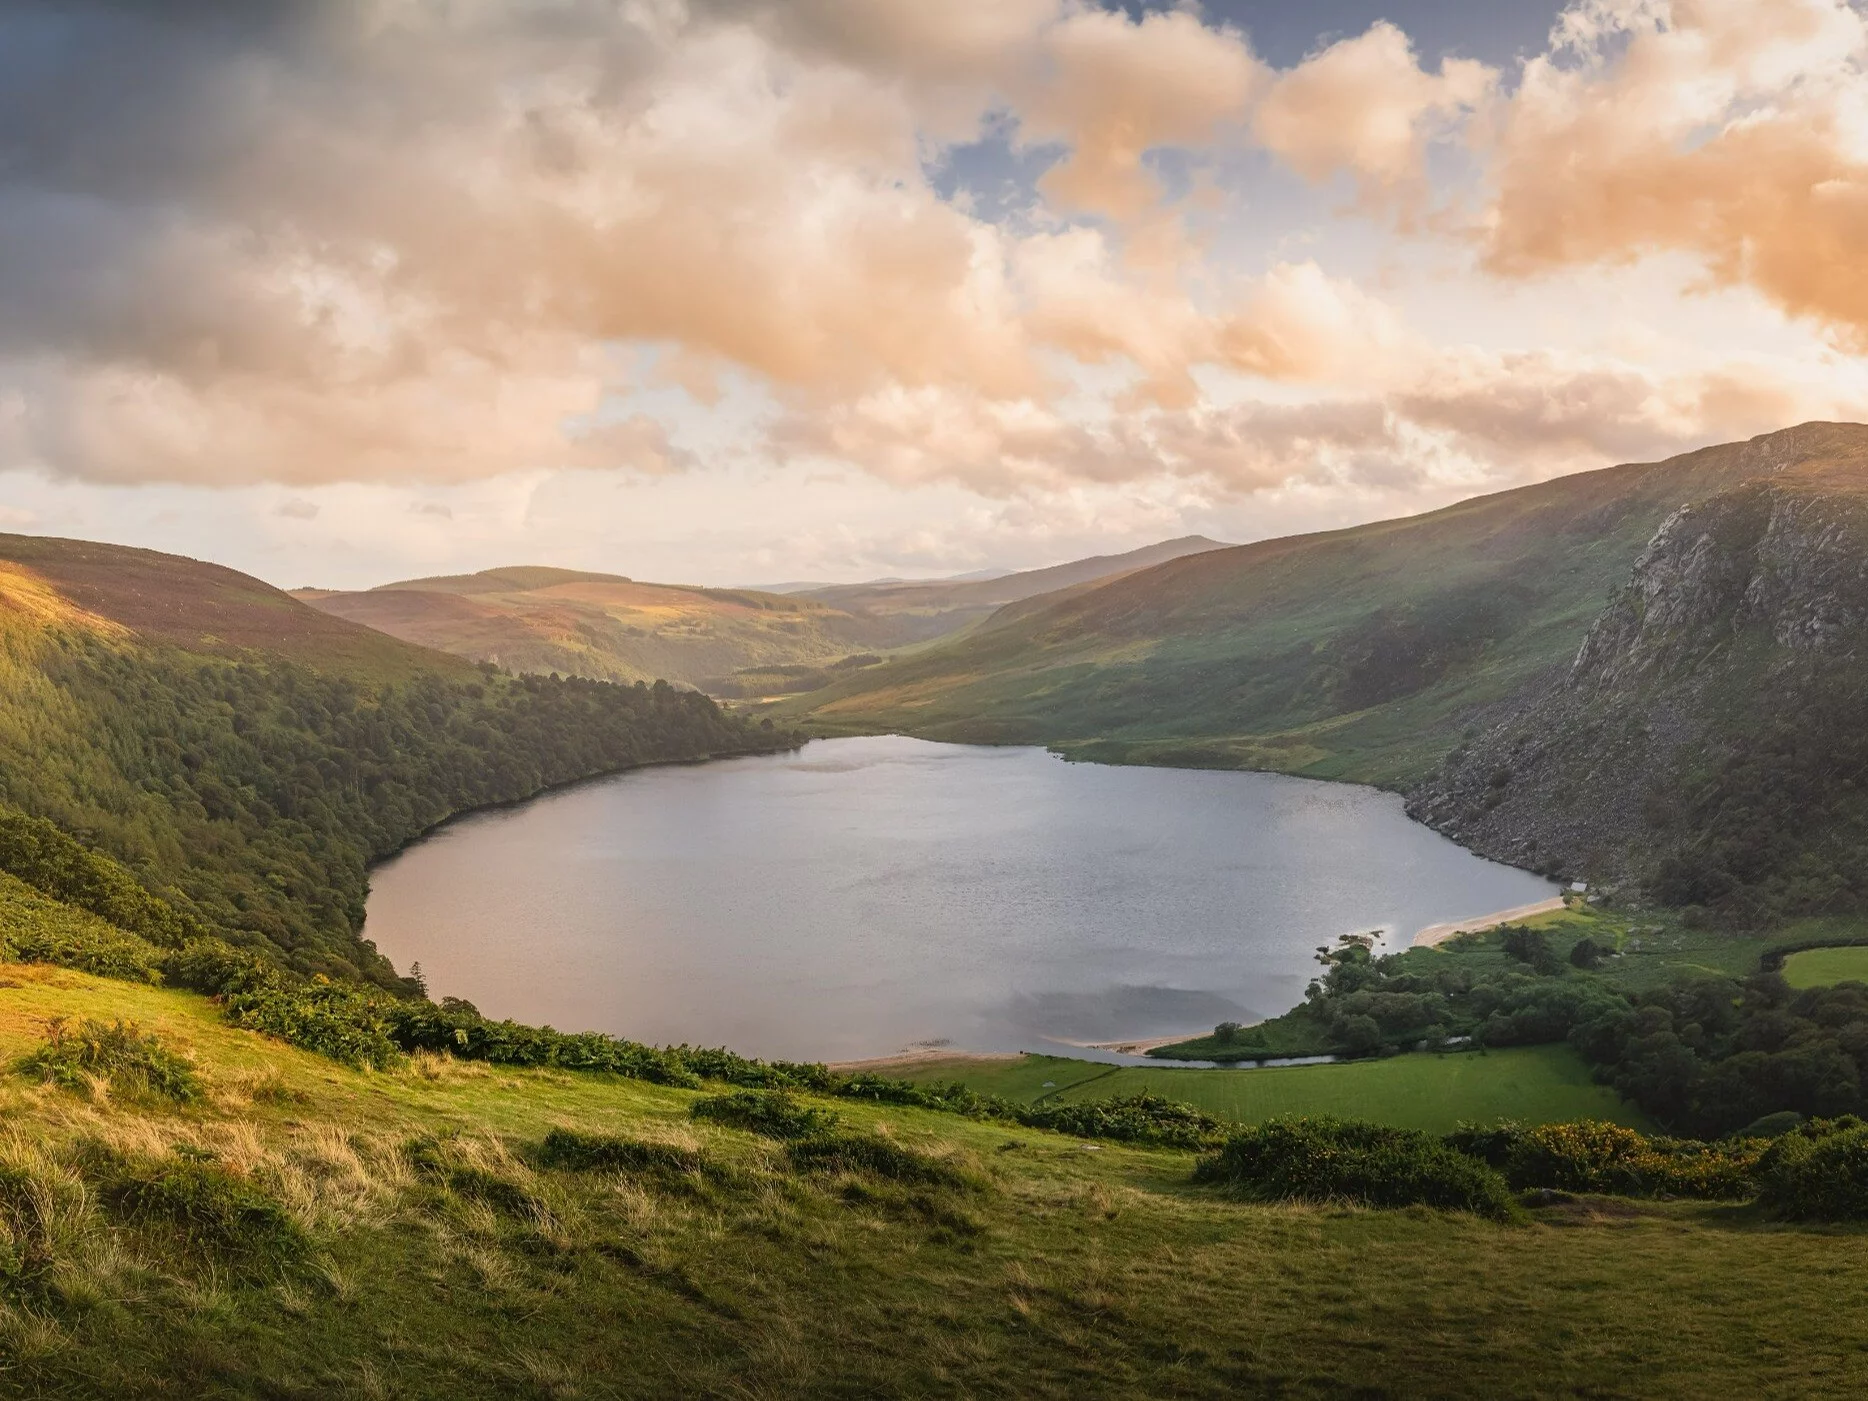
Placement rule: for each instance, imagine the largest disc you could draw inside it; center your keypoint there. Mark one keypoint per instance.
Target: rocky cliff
(1706, 742)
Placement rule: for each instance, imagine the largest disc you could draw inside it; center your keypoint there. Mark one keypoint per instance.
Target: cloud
(347, 241)
(1113, 89)
(1732, 130)
(1365, 105)
(297, 509)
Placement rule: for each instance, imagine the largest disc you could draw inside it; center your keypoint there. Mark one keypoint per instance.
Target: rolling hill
(1361, 654)
(729, 642)
(602, 626)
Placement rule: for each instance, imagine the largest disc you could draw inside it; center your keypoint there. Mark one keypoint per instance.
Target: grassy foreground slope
(407, 1234)
(1360, 653)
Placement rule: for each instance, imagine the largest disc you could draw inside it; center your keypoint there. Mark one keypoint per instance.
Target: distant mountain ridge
(728, 641)
(917, 610)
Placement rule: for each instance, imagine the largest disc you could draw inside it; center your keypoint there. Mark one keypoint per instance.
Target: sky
(741, 291)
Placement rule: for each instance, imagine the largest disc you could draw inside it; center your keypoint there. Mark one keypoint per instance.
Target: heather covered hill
(601, 626)
(1362, 653)
(729, 642)
(201, 607)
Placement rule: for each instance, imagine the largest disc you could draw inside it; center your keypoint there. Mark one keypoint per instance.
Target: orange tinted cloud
(1366, 106)
(1732, 130)
(1114, 89)
(393, 243)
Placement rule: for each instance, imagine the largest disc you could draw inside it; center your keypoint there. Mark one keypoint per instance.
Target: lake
(864, 896)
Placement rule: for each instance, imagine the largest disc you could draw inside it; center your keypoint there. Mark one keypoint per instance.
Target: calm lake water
(866, 895)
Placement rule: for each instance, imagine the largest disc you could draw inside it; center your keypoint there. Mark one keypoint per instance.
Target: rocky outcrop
(1740, 609)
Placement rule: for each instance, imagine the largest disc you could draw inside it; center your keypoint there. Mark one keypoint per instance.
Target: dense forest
(253, 792)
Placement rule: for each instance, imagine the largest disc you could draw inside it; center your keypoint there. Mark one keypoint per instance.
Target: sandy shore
(1440, 933)
(1141, 1048)
(909, 1060)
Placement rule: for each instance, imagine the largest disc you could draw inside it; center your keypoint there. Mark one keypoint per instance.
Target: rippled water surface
(866, 895)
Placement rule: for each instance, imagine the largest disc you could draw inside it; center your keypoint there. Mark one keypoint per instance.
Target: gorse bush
(1141, 1118)
(1336, 1160)
(1817, 1173)
(1601, 1157)
(773, 1113)
(131, 1060)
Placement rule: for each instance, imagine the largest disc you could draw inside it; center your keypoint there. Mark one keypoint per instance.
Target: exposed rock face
(1741, 609)
(1775, 557)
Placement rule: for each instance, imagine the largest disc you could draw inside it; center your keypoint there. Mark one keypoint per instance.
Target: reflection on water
(869, 894)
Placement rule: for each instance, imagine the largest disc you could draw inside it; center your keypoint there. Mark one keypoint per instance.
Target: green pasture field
(1538, 1084)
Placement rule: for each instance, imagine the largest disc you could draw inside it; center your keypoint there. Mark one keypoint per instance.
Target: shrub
(1773, 1125)
(134, 1061)
(1601, 1157)
(214, 1210)
(216, 967)
(773, 1113)
(1817, 1173)
(44, 857)
(37, 929)
(585, 1152)
(1142, 1118)
(338, 1020)
(1336, 1160)
(875, 1156)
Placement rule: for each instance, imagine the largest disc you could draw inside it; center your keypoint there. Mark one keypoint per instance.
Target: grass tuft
(130, 1060)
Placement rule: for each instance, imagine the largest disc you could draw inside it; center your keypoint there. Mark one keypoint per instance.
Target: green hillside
(1362, 653)
(1710, 738)
(247, 757)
